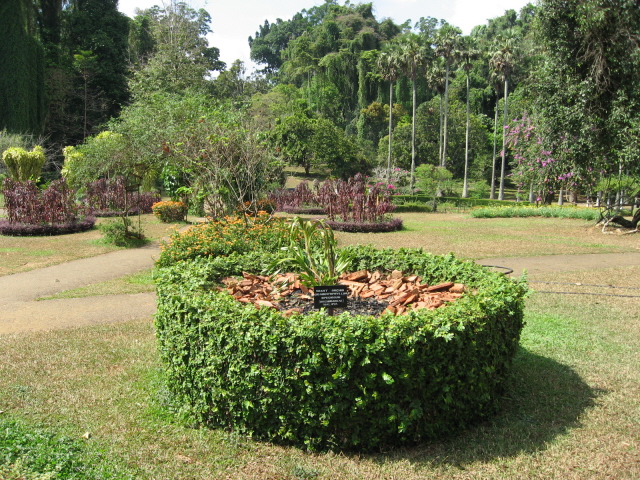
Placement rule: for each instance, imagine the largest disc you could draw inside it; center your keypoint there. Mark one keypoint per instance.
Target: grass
(571, 409)
(20, 254)
(476, 238)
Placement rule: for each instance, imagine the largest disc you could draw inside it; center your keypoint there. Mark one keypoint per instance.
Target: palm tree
(502, 63)
(412, 56)
(496, 86)
(447, 42)
(435, 76)
(467, 55)
(389, 68)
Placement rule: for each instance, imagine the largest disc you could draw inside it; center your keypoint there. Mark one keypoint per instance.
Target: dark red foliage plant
(32, 211)
(353, 201)
(300, 199)
(109, 197)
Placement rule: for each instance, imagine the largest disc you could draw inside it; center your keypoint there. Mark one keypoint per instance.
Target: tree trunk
(440, 134)
(413, 138)
(390, 132)
(465, 193)
(624, 223)
(531, 197)
(492, 194)
(504, 140)
(443, 160)
(561, 197)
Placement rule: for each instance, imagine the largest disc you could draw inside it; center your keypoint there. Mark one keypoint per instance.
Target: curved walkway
(19, 312)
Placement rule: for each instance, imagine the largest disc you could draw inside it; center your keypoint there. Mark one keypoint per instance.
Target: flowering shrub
(169, 211)
(226, 236)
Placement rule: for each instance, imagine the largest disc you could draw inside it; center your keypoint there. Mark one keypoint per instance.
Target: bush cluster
(169, 211)
(533, 211)
(351, 205)
(33, 211)
(110, 198)
(340, 382)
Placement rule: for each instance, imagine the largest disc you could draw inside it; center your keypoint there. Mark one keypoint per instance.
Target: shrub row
(391, 225)
(533, 211)
(456, 201)
(413, 207)
(340, 382)
(302, 210)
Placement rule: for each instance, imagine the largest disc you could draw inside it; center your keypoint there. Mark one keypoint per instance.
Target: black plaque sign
(330, 296)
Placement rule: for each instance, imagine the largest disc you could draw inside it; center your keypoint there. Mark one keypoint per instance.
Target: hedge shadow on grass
(543, 399)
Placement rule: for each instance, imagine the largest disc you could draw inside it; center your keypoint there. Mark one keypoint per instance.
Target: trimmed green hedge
(339, 382)
(549, 211)
(458, 202)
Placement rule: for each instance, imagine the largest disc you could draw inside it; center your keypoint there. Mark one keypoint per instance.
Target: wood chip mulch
(369, 292)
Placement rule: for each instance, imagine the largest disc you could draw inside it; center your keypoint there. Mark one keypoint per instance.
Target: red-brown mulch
(369, 292)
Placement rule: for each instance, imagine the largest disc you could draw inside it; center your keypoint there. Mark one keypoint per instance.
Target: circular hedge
(17, 229)
(339, 382)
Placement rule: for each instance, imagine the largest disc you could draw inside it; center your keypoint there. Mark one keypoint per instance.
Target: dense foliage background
(337, 89)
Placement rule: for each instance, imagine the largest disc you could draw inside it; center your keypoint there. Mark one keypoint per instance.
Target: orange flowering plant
(222, 237)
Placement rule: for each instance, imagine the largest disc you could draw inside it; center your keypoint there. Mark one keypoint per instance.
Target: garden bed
(18, 229)
(370, 293)
(338, 382)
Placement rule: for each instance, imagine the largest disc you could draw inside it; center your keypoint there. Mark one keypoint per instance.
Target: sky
(233, 21)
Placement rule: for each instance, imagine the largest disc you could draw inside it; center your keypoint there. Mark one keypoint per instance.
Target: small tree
(24, 165)
(430, 180)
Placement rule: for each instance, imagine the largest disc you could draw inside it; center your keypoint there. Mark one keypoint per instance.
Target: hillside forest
(545, 101)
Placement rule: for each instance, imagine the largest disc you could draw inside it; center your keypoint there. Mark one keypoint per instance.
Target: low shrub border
(27, 229)
(548, 211)
(391, 225)
(340, 382)
(302, 210)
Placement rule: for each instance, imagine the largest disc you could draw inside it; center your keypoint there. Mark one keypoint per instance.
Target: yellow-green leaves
(24, 165)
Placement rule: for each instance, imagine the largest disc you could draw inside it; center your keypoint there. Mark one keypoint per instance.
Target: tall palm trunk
(440, 134)
(504, 139)
(390, 132)
(443, 160)
(465, 193)
(492, 195)
(413, 137)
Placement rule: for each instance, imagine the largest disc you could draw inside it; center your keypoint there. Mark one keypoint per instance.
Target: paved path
(19, 312)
